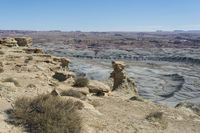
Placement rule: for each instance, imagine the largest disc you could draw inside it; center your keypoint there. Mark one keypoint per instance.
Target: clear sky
(100, 15)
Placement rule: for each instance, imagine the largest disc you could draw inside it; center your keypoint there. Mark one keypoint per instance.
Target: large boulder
(122, 83)
(24, 41)
(9, 42)
(98, 87)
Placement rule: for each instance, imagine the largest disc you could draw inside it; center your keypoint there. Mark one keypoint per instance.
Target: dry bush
(47, 114)
(81, 82)
(13, 81)
(157, 117)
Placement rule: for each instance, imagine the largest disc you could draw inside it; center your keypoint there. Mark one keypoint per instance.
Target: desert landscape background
(165, 65)
(67, 82)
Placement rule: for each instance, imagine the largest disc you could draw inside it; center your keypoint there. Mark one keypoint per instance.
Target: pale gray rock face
(166, 83)
(163, 75)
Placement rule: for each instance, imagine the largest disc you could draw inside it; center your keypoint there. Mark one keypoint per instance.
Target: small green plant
(81, 82)
(47, 114)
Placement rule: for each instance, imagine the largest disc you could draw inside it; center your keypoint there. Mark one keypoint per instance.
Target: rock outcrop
(98, 87)
(64, 62)
(121, 81)
(9, 42)
(24, 41)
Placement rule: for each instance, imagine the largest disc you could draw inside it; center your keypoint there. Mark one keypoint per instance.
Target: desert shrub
(47, 114)
(194, 107)
(13, 81)
(60, 76)
(155, 116)
(158, 118)
(81, 82)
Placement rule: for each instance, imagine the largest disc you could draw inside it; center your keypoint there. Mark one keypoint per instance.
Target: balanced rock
(121, 81)
(98, 87)
(24, 41)
(9, 42)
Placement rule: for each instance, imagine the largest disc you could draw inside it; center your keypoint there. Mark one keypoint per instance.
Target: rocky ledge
(110, 107)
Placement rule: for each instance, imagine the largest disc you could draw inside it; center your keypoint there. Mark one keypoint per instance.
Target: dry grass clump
(157, 117)
(13, 81)
(81, 82)
(47, 114)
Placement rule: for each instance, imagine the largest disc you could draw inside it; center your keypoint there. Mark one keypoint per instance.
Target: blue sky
(100, 15)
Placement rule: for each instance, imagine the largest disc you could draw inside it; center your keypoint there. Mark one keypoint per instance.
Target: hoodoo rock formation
(121, 81)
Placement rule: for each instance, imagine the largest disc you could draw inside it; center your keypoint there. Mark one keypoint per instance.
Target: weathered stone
(118, 74)
(194, 107)
(64, 62)
(121, 81)
(98, 87)
(24, 41)
(9, 42)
